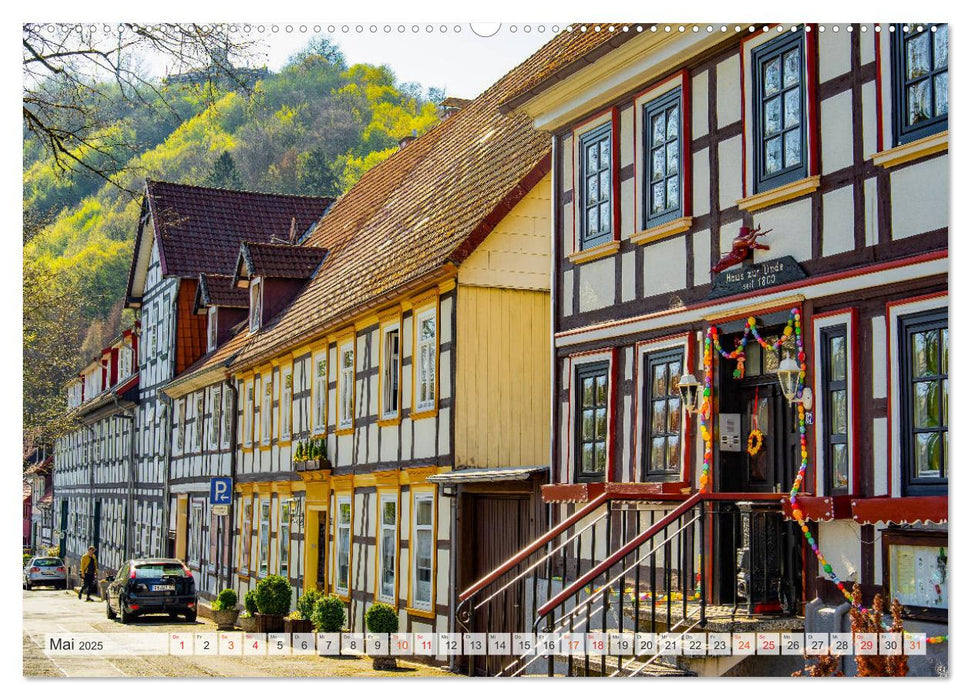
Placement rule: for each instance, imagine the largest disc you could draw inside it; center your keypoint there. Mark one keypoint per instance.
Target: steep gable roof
(199, 229)
(219, 290)
(281, 261)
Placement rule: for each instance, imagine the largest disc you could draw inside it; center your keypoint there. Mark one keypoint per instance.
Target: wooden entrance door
(321, 550)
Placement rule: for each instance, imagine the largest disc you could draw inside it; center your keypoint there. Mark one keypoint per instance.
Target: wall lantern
(688, 386)
(788, 373)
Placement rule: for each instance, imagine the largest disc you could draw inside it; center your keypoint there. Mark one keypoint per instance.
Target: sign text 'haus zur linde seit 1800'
(752, 278)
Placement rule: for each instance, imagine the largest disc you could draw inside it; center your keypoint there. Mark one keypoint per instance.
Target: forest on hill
(314, 127)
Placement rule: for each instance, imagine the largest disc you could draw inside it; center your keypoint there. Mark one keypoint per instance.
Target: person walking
(89, 571)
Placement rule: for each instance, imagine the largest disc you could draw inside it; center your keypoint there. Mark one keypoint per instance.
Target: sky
(464, 59)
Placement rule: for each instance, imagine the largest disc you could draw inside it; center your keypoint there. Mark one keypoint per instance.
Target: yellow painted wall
(516, 254)
(502, 403)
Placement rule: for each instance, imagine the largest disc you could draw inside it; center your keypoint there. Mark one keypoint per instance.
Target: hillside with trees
(314, 127)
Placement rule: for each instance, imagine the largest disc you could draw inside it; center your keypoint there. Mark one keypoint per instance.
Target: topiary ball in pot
(307, 602)
(382, 619)
(249, 601)
(226, 600)
(273, 595)
(329, 614)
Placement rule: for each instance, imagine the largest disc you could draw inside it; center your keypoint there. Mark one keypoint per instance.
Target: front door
(758, 553)
(321, 550)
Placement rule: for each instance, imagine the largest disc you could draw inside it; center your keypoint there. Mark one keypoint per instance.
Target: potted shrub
(328, 614)
(272, 603)
(295, 623)
(382, 619)
(224, 612)
(247, 621)
(322, 460)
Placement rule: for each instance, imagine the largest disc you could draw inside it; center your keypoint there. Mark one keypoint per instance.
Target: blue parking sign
(220, 490)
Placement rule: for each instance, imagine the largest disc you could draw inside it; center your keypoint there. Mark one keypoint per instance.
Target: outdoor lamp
(788, 373)
(688, 386)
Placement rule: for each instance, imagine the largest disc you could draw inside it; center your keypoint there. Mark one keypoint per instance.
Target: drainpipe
(231, 521)
(166, 401)
(130, 416)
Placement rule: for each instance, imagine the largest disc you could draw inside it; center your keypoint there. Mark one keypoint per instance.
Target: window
(390, 376)
(164, 320)
(924, 360)
(286, 510)
(266, 413)
(591, 424)
(595, 211)
(389, 547)
(214, 532)
(919, 71)
(215, 419)
(255, 304)
(247, 539)
(662, 427)
(124, 361)
(320, 393)
(424, 551)
(662, 159)
(343, 545)
(835, 428)
(200, 410)
(286, 403)
(212, 329)
(248, 416)
(195, 533)
(427, 351)
(229, 415)
(264, 540)
(346, 412)
(780, 123)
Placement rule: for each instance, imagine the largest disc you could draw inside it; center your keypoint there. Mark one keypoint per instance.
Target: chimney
(405, 140)
(451, 105)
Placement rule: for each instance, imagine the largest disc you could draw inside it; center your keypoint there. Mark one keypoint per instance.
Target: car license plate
(163, 588)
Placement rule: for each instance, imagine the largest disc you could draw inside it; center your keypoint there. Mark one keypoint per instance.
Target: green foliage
(313, 128)
(226, 600)
(329, 614)
(298, 455)
(381, 619)
(273, 595)
(27, 557)
(307, 602)
(249, 601)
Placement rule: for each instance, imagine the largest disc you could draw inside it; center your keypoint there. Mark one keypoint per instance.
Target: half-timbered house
(714, 188)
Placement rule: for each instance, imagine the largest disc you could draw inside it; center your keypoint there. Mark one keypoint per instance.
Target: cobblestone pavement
(48, 611)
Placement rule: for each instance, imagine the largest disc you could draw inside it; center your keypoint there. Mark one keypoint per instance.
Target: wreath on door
(755, 436)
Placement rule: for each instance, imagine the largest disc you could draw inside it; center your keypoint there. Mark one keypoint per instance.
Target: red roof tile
(281, 261)
(219, 290)
(199, 229)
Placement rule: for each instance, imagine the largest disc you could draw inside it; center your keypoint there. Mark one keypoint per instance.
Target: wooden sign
(752, 278)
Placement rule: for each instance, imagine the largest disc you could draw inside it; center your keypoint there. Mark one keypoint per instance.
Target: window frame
(597, 133)
(414, 602)
(649, 360)
(263, 552)
(896, 537)
(907, 325)
(346, 377)
(284, 536)
(255, 305)
(212, 328)
(429, 406)
(339, 525)
(199, 399)
(901, 132)
(761, 55)
(583, 371)
(285, 406)
(249, 413)
(648, 110)
(195, 529)
(215, 415)
(390, 375)
(266, 412)
(318, 390)
(246, 538)
(382, 527)
(829, 385)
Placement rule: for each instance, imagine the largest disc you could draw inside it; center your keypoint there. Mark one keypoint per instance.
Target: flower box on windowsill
(311, 465)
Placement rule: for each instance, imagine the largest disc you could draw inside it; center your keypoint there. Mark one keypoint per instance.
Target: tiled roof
(210, 367)
(279, 260)
(199, 229)
(219, 290)
(428, 205)
(566, 53)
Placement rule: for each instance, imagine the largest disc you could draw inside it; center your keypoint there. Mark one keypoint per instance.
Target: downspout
(231, 523)
(555, 238)
(130, 416)
(166, 401)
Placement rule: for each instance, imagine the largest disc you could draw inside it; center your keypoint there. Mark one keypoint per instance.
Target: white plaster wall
(834, 53)
(700, 184)
(791, 226)
(870, 215)
(699, 105)
(701, 242)
(838, 221)
(424, 438)
(880, 457)
(627, 276)
(729, 172)
(627, 193)
(918, 202)
(869, 106)
(626, 137)
(596, 284)
(729, 105)
(836, 122)
(566, 294)
(840, 541)
(664, 265)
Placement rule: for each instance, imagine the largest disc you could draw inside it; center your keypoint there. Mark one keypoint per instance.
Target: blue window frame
(779, 112)
(919, 73)
(595, 210)
(663, 154)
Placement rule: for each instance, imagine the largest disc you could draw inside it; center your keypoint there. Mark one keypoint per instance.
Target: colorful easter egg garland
(793, 327)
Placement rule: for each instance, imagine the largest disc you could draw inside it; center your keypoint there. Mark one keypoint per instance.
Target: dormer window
(255, 304)
(212, 329)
